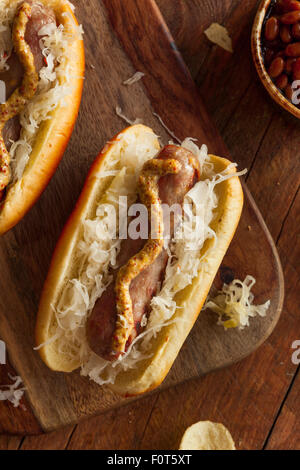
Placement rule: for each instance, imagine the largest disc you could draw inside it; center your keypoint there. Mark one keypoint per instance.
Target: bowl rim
(256, 49)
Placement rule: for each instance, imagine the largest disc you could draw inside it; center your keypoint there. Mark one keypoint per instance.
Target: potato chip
(219, 35)
(206, 435)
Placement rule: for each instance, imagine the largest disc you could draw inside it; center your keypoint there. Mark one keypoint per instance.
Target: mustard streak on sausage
(14, 105)
(149, 196)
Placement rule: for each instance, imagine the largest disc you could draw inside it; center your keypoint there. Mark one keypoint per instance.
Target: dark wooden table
(257, 398)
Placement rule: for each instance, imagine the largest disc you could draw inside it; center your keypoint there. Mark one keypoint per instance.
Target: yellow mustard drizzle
(149, 196)
(14, 105)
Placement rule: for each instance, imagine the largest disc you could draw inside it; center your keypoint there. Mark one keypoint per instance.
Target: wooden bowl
(259, 62)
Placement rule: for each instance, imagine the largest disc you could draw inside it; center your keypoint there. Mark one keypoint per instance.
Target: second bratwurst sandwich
(41, 74)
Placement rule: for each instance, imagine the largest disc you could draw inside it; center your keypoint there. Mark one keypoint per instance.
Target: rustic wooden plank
(272, 136)
(275, 176)
(119, 429)
(10, 442)
(188, 19)
(286, 432)
(230, 88)
(285, 435)
(55, 440)
(234, 104)
(224, 77)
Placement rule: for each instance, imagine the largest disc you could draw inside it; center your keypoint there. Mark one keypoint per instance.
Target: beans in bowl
(281, 45)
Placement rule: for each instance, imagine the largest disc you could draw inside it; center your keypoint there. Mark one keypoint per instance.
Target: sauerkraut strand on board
(234, 304)
(13, 392)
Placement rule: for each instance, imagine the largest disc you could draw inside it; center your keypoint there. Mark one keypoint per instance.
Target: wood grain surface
(256, 398)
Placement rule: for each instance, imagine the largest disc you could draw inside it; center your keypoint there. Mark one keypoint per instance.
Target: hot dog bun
(53, 135)
(149, 372)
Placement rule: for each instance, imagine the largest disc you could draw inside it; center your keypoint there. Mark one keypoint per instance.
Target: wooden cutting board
(120, 38)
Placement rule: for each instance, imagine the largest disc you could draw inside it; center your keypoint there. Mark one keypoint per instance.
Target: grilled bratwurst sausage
(101, 325)
(41, 15)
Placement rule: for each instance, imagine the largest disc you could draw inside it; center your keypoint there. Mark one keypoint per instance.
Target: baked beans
(281, 45)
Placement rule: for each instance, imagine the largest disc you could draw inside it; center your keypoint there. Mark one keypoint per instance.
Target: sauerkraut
(13, 392)
(135, 78)
(234, 304)
(121, 115)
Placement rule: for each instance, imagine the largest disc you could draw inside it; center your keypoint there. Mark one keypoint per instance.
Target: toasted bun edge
(62, 256)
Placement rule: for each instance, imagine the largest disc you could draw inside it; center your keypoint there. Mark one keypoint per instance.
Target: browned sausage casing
(41, 15)
(101, 324)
